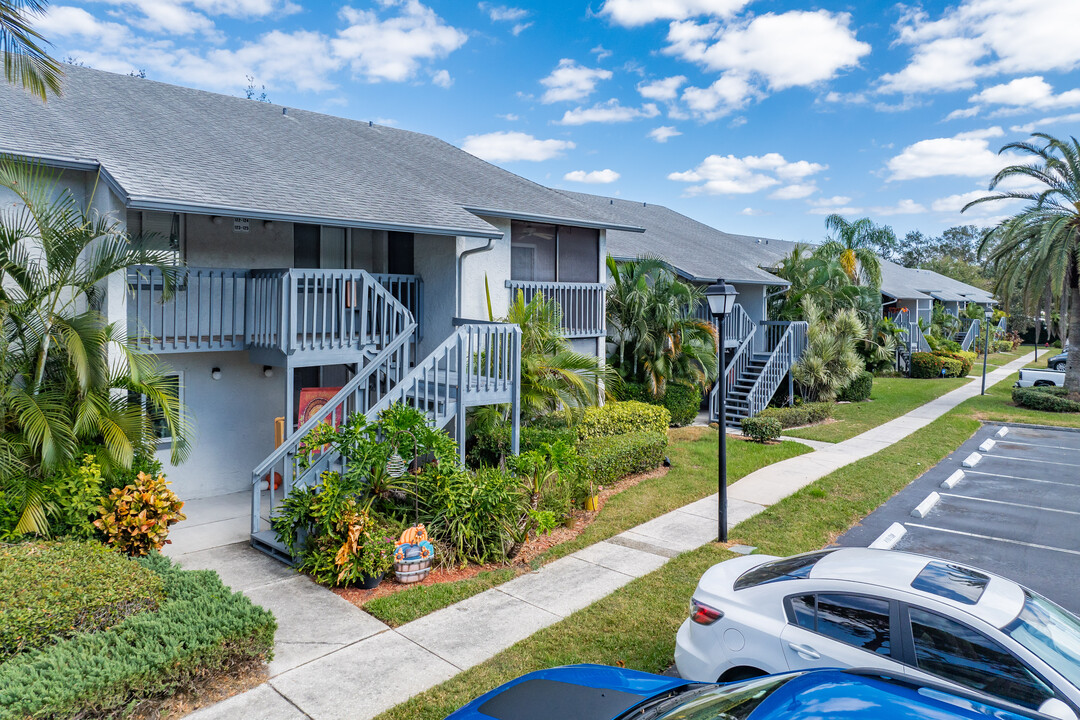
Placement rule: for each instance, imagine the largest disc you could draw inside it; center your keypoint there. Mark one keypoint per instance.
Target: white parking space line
(1010, 504)
(1017, 477)
(1048, 447)
(991, 537)
(1044, 462)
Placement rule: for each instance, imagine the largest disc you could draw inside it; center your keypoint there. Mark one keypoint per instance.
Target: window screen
(954, 651)
(862, 622)
(399, 256)
(579, 255)
(532, 252)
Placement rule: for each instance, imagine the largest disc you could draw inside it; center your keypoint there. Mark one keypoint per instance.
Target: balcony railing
(290, 310)
(583, 304)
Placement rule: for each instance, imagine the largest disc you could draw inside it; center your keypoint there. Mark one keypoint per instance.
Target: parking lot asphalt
(1016, 512)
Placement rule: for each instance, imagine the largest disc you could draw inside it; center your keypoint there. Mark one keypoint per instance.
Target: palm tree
(831, 360)
(1039, 247)
(678, 347)
(58, 385)
(628, 298)
(855, 245)
(552, 374)
(25, 62)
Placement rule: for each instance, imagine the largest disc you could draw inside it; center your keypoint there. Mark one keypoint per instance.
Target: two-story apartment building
(330, 264)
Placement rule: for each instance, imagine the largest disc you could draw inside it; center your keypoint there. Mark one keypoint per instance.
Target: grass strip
(890, 398)
(636, 624)
(693, 476)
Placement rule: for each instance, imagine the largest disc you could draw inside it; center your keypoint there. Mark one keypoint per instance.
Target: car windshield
(727, 702)
(790, 568)
(1050, 632)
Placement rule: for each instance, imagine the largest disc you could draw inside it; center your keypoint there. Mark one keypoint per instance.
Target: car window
(856, 620)
(956, 652)
(790, 568)
(803, 611)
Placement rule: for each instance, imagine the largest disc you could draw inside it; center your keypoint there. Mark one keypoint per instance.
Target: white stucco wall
(233, 421)
(434, 260)
(494, 265)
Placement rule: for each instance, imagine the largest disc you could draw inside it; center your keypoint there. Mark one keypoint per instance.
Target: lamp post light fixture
(721, 297)
(986, 346)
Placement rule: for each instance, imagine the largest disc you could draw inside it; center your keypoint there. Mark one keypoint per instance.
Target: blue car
(598, 692)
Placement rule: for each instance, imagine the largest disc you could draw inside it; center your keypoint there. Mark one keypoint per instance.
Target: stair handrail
(776, 367)
(739, 327)
(917, 339)
(971, 335)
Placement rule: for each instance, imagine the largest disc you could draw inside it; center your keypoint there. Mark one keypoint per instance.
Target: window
(855, 620)
(803, 611)
(174, 386)
(156, 230)
(579, 255)
(951, 581)
(532, 252)
(954, 651)
(786, 569)
(400, 256)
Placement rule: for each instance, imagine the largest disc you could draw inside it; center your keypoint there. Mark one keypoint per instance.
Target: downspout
(460, 265)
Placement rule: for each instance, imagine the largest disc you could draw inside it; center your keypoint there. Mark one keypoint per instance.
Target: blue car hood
(580, 692)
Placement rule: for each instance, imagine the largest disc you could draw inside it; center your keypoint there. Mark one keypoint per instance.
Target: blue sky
(755, 116)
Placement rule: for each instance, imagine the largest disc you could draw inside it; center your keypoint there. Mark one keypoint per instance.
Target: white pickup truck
(1031, 377)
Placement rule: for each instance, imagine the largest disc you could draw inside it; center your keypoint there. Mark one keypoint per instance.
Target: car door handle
(805, 651)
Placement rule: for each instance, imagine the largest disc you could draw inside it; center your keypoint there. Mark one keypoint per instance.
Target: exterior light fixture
(268, 371)
(217, 219)
(721, 297)
(215, 373)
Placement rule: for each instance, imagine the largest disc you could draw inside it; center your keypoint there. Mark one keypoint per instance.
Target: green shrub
(803, 414)
(604, 460)
(491, 446)
(951, 366)
(201, 629)
(967, 359)
(1002, 346)
(620, 418)
(638, 392)
(683, 402)
(859, 389)
(473, 515)
(1046, 399)
(926, 365)
(76, 493)
(942, 344)
(53, 590)
(761, 429)
(136, 518)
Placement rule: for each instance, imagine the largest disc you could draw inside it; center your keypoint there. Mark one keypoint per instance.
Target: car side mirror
(1057, 709)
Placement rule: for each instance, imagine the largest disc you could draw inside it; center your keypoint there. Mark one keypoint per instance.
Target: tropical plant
(1039, 247)
(856, 245)
(25, 60)
(553, 376)
(136, 519)
(830, 362)
(659, 339)
(822, 279)
(68, 377)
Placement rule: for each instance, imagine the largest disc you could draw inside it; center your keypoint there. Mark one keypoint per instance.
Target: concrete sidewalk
(334, 661)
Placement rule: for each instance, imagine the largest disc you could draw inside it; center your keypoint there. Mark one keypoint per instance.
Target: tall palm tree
(678, 347)
(25, 61)
(855, 245)
(58, 385)
(1039, 247)
(628, 299)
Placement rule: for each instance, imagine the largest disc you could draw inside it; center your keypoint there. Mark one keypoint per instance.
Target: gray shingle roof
(698, 251)
(170, 145)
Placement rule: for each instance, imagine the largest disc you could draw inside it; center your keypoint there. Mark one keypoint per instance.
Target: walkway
(334, 661)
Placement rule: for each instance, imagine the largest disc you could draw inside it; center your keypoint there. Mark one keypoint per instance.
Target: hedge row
(931, 365)
(202, 628)
(605, 460)
(1046, 399)
(53, 590)
(967, 359)
(761, 429)
(620, 418)
(805, 414)
(859, 389)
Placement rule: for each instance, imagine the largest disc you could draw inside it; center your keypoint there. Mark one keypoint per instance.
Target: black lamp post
(986, 346)
(721, 297)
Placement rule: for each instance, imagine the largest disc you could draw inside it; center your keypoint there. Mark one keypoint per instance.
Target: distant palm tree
(25, 62)
(1039, 247)
(628, 299)
(855, 245)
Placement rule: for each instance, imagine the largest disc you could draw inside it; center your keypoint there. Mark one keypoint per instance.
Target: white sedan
(905, 613)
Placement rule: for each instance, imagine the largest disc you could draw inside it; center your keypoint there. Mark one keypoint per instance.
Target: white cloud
(503, 13)
(794, 191)
(442, 78)
(608, 112)
(961, 113)
(984, 38)
(966, 154)
(570, 81)
(632, 13)
(754, 212)
(246, 8)
(731, 92)
(796, 48)
(601, 53)
(664, 133)
(1027, 92)
(601, 177)
(512, 146)
(831, 201)
(729, 175)
(954, 203)
(511, 117)
(1042, 122)
(392, 49)
(906, 206)
(846, 210)
(72, 22)
(665, 89)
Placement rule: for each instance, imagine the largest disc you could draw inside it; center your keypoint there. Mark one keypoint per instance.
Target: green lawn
(692, 477)
(891, 398)
(635, 626)
(996, 360)
(997, 406)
